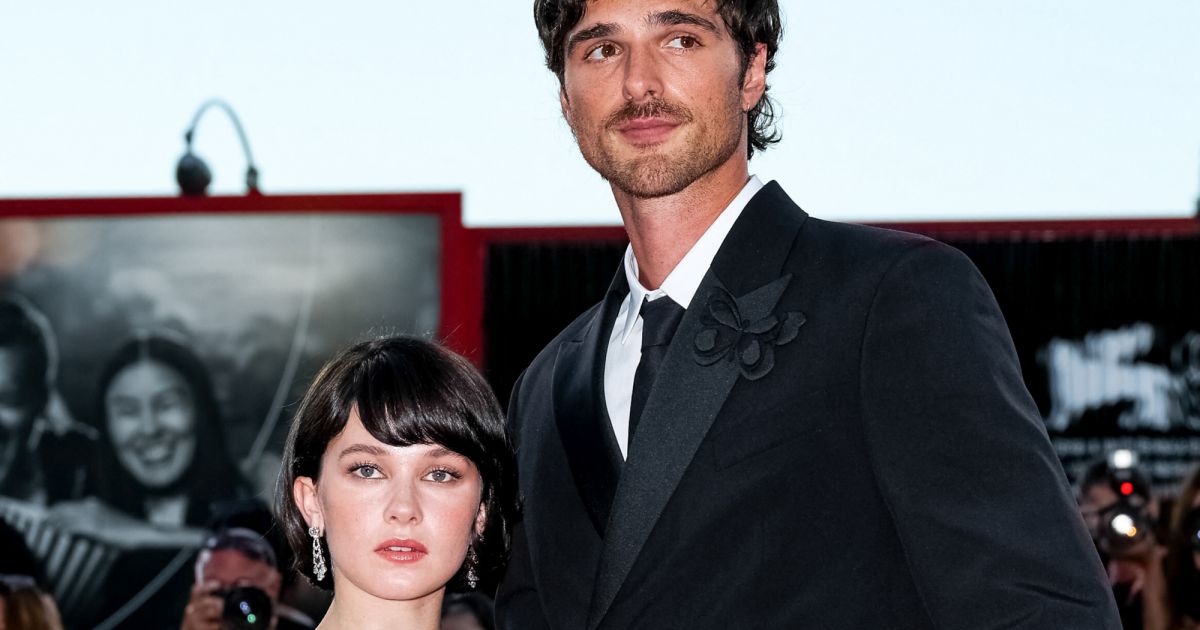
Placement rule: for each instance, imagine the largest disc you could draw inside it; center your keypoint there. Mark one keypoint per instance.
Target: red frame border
(461, 325)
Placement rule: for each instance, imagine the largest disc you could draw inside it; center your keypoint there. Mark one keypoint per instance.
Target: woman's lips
(646, 131)
(156, 452)
(401, 551)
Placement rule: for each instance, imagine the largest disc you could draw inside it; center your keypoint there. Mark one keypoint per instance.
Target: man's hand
(204, 609)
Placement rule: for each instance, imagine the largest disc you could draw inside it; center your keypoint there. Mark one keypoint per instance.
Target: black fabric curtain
(1107, 328)
(532, 290)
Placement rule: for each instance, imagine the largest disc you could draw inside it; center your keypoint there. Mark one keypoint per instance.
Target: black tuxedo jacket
(839, 437)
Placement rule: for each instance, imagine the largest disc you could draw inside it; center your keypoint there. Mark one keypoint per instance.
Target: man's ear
(564, 103)
(754, 85)
(304, 493)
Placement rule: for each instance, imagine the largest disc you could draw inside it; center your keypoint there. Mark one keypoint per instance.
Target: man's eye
(683, 41)
(603, 51)
(366, 471)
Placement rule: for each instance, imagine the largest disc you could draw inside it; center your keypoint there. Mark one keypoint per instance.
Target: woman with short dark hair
(397, 479)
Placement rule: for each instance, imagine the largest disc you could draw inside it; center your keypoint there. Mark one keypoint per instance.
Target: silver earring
(472, 562)
(318, 557)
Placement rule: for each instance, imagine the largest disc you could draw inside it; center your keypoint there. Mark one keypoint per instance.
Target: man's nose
(643, 77)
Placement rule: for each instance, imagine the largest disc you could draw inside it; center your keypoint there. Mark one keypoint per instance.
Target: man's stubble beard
(663, 174)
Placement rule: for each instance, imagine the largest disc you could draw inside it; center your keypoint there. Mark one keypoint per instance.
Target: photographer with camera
(1182, 563)
(1121, 513)
(237, 584)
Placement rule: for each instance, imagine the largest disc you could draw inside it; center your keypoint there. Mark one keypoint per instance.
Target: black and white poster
(149, 366)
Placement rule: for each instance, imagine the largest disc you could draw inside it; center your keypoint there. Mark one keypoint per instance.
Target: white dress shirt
(625, 342)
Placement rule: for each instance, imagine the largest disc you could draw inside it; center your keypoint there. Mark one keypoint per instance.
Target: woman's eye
(603, 51)
(166, 403)
(442, 475)
(366, 471)
(683, 41)
(125, 408)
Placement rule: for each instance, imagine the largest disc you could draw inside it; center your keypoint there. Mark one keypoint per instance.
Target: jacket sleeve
(518, 606)
(983, 510)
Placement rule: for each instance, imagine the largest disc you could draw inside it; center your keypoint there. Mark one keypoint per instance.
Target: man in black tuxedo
(770, 421)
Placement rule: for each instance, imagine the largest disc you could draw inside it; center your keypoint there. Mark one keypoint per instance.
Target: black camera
(1121, 525)
(246, 608)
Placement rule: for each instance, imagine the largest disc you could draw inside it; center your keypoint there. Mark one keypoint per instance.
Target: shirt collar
(684, 280)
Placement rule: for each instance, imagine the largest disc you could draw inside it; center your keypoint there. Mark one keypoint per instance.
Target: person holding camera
(237, 585)
(1182, 562)
(1121, 512)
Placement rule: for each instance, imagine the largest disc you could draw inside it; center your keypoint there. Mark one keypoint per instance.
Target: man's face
(16, 408)
(1092, 502)
(231, 568)
(654, 93)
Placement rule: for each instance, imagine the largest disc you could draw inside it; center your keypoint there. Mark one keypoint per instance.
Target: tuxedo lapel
(580, 411)
(686, 396)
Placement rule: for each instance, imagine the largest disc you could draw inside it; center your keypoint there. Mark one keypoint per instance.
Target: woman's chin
(394, 585)
(159, 477)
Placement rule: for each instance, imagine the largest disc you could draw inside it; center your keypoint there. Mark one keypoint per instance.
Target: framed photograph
(152, 352)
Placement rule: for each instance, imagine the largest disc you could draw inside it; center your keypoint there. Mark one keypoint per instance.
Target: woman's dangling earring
(472, 562)
(318, 557)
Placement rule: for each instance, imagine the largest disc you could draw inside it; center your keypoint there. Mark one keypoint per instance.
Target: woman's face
(151, 420)
(398, 520)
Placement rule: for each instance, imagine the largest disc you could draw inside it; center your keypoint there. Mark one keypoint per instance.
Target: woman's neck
(355, 609)
(167, 511)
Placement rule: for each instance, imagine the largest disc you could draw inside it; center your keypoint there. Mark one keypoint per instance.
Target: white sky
(892, 110)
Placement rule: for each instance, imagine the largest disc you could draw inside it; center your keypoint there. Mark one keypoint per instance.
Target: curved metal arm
(251, 169)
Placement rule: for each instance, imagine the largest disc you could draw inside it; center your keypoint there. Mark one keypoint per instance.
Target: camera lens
(1124, 524)
(247, 608)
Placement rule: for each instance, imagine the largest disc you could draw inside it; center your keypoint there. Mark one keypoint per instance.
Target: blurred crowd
(1150, 545)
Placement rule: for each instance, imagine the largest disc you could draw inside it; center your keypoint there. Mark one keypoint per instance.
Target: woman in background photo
(163, 459)
(160, 468)
(397, 481)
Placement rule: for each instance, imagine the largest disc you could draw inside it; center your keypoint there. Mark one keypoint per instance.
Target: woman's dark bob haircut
(407, 391)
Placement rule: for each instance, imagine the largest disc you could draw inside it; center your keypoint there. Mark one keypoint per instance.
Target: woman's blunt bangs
(423, 394)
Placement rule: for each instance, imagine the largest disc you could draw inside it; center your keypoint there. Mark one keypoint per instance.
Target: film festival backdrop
(150, 360)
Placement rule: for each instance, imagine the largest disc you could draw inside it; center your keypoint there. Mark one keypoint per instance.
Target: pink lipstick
(401, 551)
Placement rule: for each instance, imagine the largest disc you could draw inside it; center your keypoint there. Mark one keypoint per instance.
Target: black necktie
(660, 318)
